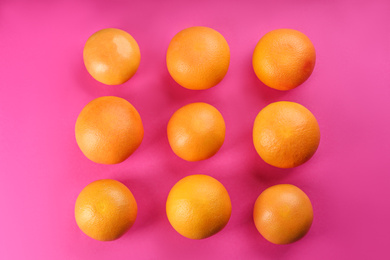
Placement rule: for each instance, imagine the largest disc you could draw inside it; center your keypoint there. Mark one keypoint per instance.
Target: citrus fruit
(198, 206)
(283, 214)
(198, 58)
(108, 130)
(105, 210)
(196, 131)
(111, 56)
(283, 59)
(286, 134)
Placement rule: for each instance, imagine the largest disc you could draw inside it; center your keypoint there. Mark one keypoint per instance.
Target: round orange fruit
(108, 130)
(283, 214)
(196, 131)
(111, 56)
(198, 206)
(283, 59)
(105, 210)
(286, 134)
(198, 58)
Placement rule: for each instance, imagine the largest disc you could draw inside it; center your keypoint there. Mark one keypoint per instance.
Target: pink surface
(44, 85)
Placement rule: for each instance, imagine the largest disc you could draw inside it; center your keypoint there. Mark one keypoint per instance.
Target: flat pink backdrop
(44, 85)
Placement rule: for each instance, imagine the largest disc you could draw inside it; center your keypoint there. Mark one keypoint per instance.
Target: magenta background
(44, 85)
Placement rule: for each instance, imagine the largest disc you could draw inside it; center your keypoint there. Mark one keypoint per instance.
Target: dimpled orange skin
(108, 130)
(105, 210)
(286, 134)
(196, 131)
(283, 59)
(111, 56)
(283, 214)
(198, 58)
(198, 206)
